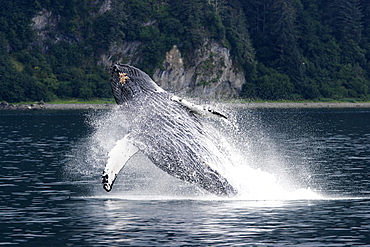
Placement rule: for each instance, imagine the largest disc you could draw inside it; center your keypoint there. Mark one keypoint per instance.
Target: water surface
(50, 193)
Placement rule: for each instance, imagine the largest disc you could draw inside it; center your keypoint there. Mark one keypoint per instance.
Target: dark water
(327, 150)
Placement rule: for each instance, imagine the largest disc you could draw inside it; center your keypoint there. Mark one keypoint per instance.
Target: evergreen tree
(284, 33)
(345, 19)
(238, 36)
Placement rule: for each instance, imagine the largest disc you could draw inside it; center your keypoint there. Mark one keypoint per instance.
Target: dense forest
(288, 49)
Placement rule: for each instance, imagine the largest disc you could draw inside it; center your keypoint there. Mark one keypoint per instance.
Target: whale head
(128, 81)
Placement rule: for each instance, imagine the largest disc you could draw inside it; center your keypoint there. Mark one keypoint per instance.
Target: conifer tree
(285, 35)
(345, 19)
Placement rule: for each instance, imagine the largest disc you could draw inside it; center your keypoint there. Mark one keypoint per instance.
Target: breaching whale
(167, 129)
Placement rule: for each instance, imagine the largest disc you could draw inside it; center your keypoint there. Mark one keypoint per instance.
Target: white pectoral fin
(118, 157)
(205, 111)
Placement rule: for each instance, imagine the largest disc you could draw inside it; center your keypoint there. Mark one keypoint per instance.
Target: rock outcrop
(42, 23)
(45, 24)
(212, 75)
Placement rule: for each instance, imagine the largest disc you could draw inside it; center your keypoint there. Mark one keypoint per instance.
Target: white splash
(244, 161)
(236, 145)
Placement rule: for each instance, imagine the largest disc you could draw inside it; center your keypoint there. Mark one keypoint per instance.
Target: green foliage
(288, 49)
(319, 44)
(271, 85)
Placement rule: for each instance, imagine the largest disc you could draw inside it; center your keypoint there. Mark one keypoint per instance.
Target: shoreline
(46, 106)
(298, 105)
(267, 105)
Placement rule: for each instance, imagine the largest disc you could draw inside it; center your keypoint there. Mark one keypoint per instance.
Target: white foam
(141, 179)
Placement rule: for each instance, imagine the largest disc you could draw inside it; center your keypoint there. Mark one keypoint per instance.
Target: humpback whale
(167, 129)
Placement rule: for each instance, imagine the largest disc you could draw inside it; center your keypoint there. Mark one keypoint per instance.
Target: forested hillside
(287, 49)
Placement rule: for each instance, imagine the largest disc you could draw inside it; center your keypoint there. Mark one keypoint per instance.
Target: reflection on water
(326, 150)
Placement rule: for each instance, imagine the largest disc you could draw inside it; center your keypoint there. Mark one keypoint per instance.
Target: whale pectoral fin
(205, 111)
(118, 157)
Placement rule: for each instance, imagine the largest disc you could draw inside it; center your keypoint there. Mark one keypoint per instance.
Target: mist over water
(251, 160)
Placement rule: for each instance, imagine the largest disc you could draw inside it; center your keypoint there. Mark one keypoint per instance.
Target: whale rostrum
(167, 129)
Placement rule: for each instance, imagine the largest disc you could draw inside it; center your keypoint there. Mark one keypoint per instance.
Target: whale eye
(123, 77)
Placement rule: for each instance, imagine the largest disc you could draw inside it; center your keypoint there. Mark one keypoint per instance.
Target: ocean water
(303, 177)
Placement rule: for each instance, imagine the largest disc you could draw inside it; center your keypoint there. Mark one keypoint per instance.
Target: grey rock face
(212, 75)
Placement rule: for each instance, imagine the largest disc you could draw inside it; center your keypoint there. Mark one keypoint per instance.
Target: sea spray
(238, 143)
(258, 167)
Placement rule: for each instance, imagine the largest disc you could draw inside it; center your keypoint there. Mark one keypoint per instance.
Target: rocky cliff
(212, 75)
